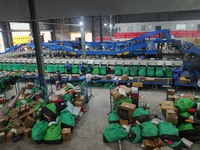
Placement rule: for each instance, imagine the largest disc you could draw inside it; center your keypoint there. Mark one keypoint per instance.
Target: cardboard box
(16, 122)
(78, 103)
(27, 132)
(4, 130)
(135, 84)
(29, 86)
(20, 130)
(29, 122)
(171, 91)
(128, 107)
(159, 142)
(127, 90)
(124, 77)
(66, 134)
(116, 95)
(27, 113)
(9, 136)
(77, 94)
(149, 144)
(14, 113)
(108, 77)
(3, 123)
(168, 105)
(2, 138)
(183, 80)
(125, 122)
(173, 97)
(172, 119)
(80, 98)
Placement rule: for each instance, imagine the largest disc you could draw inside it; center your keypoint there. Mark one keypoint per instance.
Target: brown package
(3, 123)
(124, 77)
(78, 103)
(9, 136)
(27, 132)
(2, 138)
(4, 129)
(149, 144)
(27, 113)
(128, 106)
(108, 77)
(122, 121)
(14, 113)
(116, 95)
(77, 94)
(80, 99)
(171, 91)
(20, 130)
(159, 142)
(16, 122)
(29, 122)
(127, 90)
(29, 86)
(173, 119)
(66, 134)
(168, 105)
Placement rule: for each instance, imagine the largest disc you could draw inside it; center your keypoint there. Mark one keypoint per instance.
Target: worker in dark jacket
(59, 81)
(83, 68)
(68, 67)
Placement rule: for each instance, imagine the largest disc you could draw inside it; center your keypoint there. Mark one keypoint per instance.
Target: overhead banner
(176, 34)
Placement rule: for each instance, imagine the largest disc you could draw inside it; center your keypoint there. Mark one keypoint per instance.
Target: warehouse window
(180, 26)
(19, 26)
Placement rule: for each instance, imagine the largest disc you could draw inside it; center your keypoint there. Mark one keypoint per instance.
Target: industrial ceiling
(18, 10)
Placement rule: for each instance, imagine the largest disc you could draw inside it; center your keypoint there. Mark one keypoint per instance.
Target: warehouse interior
(100, 74)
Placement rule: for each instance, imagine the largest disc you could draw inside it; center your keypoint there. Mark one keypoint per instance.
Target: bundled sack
(184, 104)
(118, 71)
(133, 71)
(95, 70)
(142, 71)
(149, 131)
(113, 133)
(126, 70)
(134, 134)
(103, 70)
(168, 131)
(38, 131)
(141, 115)
(113, 117)
(50, 110)
(67, 120)
(176, 145)
(168, 72)
(53, 134)
(188, 131)
(150, 71)
(159, 72)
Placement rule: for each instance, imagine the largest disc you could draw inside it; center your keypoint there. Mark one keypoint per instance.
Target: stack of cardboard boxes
(169, 111)
(153, 144)
(79, 100)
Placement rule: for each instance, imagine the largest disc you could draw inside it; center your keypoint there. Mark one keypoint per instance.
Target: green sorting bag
(133, 71)
(184, 104)
(15, 67)
(9, 67)
(159, 72)
(168, 72)
(1, 67)
(176, 145)
(68, 97)
(118, 71)
(55, 68)
(67, 120)
(75, 69)
(95, 70)
(53, 134)
(114, 132)
(141, 115)
(62, 69)
(149, 130)
(168, 131)
(49, 68)
(113, 117)
(39, 130)
(126, 71)
(188, 131)
(103, 70)
(142, 71)
(135, 134)
(150, 71)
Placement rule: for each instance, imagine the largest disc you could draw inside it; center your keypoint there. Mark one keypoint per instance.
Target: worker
(68, 67)
(59, 81)
(83, 68)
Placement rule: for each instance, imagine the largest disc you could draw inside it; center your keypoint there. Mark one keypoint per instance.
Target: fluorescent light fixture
(81, 23)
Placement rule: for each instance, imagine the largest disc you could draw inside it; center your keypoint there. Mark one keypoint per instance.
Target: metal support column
(93, 30)
(37, 42)
(6, 34)
(111, 28)
(101, 34)
(53, 34)
(83, 39)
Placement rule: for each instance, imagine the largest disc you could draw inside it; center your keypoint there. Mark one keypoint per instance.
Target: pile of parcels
(179, 127)
(50, 122)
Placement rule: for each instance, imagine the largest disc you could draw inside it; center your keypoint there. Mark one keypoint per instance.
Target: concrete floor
(88, 134)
